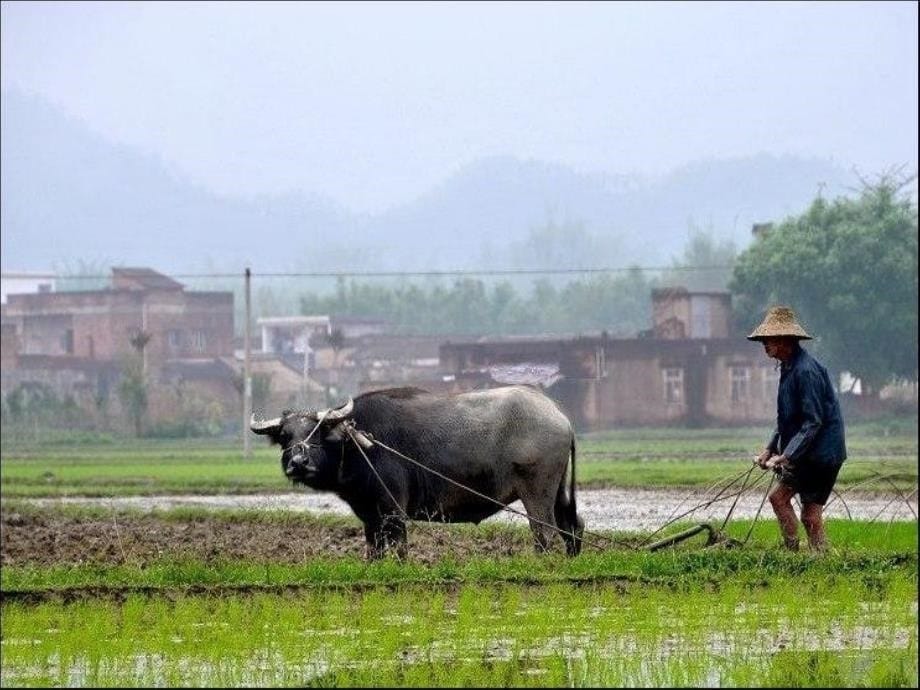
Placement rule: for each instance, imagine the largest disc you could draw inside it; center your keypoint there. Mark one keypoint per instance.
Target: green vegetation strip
(820, 630)
(750, 617)
(860, 551)
(657, 458)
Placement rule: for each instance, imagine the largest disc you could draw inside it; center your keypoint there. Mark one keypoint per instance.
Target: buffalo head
(311, 443)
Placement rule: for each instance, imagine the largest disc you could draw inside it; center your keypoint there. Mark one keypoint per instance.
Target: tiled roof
(145, 278)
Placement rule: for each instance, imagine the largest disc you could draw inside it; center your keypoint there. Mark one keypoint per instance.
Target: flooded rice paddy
(602, 509)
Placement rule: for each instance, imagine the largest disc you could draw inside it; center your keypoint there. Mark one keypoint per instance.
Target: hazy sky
(373, 104)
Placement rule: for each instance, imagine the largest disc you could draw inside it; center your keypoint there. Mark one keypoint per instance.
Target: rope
(887, 478)
(735, 502)
(884, 508)
(757, 515)
(584, 541)
(704, 504)
(377, 474)
(845, 506)
(305, 442)
(737, 495)
(849, 489)
(484, 496)
(352, 434)
(694, 491)
(403, 513)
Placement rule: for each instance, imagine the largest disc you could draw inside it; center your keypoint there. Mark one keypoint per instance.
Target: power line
(420, 274)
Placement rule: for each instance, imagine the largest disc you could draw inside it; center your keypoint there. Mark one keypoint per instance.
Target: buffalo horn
(338, 413)
(265, 426)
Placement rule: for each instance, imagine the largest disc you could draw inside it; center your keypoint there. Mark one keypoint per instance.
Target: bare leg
(781, 500)
(813, 519)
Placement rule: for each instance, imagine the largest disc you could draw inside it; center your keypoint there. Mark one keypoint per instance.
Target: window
(67, 341)
(199, 341)
(174, 338)
(770, 381)
(673, 384)
(741, 379)
(701, 316)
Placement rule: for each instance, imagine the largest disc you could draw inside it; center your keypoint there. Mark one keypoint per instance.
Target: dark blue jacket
(809, 427)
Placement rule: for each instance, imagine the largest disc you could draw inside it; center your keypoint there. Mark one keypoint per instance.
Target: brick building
(100, 324)
(687, 369)
(74, 344)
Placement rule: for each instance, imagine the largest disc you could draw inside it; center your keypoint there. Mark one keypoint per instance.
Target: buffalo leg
(542, 521)
(571, 533)
(380, 535)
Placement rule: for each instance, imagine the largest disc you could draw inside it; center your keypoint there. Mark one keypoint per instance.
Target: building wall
(189, 324)
(9, 346)
(633, 393)
(202, 401)
(742, 388)
(100, 321)
(99, 324)
(677, 313)
(625, 382)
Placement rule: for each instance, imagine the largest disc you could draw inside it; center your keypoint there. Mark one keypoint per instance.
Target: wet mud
(41, 535)
(49, 538)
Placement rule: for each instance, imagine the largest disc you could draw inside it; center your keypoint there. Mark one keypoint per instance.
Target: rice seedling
(499, 635)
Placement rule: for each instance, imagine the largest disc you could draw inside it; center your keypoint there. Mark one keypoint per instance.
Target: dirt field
(49, 538)
(46, 539)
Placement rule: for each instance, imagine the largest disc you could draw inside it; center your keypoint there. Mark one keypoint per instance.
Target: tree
(849, 269)
(80, 275)
(337, 343)
(132, 390)
(706, 264)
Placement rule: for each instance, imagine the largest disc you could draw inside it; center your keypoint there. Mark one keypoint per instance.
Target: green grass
(843, 633)
(859, 548)
(755, 616)
(152, 468)
(628, 458)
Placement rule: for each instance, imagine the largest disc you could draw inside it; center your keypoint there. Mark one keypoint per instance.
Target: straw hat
(779, 322)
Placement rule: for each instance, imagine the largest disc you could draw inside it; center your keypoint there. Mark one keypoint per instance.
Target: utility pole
(144, 335)
(306, 367)
(247, 377)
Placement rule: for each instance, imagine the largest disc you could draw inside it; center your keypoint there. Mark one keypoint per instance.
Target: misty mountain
(498, 203)
(69, 194)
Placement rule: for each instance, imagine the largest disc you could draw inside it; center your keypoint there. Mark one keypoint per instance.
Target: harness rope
(704, 504)
(398, 507)
(763, 500)
(352, 435)
(360, 439)
(735, 502)
(477, 493)
(305, 443)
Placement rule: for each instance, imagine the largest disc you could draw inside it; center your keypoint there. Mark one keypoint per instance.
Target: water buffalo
(506, 443)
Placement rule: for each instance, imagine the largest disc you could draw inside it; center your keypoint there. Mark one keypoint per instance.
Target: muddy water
(602, 509)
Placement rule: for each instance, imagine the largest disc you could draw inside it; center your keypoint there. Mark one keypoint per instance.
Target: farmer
(807, 447)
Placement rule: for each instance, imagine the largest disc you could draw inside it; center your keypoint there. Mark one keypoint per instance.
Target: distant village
(688, 369)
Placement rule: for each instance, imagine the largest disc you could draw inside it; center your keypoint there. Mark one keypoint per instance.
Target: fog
(372, 105)
(423, 177)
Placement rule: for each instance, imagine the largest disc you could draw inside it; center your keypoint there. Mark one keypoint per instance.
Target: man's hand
(761, 460)
(777, 462)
